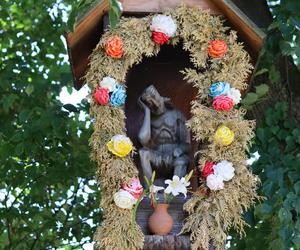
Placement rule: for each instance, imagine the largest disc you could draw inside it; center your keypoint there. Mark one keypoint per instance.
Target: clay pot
(160, 222)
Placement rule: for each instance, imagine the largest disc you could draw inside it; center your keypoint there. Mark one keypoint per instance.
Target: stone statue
(163, 135)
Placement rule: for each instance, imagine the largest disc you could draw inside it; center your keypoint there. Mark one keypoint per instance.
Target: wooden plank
(169, 242)
(257, 11)
(161, 5)
(88, 23)
(248, 31)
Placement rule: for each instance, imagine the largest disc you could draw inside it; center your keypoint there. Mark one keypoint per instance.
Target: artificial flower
(118, 96)
(108, 83)
(159, 37)
(185, 181)
(219, 88)
(154, 189)
(164, 24)
(224, 135)
(101, 95)
(214, 182)
(163, 27)
(207, 169)
(235, 95)
(217, 48)
(114, 47)
(123, 199)
(134, 188)
(225, 170)
(120, 145)
(175, 186)
(223, 103)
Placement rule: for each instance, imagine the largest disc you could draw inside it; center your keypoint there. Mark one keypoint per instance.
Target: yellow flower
(120, 145)
(224, 135)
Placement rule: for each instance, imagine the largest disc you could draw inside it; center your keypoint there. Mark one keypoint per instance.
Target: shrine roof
(248, 18)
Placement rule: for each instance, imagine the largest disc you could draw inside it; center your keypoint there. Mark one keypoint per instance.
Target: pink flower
(159, 37)
(101, 95)
(134, 188)
(223, 103)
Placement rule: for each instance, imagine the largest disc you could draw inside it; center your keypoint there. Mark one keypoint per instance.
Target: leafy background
(48, 194)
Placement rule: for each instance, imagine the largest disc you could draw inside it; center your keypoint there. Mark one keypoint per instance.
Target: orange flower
(114, 47)
(217, 48)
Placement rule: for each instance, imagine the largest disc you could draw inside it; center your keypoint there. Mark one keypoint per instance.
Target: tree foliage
(46, 188)
(47, 196)
(275, 223)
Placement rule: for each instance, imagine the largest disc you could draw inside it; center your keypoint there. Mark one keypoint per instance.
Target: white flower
(123, 199)
(225, 170)
(154, 189)
(109, 83)
(175, 186)
(214, 182)
(235, 95)
(164, 24)
(184, 181)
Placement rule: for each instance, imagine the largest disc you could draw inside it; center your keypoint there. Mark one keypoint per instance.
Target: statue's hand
(142, 104)
(177, 152)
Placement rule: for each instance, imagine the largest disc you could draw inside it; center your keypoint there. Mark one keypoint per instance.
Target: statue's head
(154, 100)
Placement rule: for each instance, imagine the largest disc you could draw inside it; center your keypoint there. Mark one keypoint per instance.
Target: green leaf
(249, 100)
(296, 241)
(70, 89)
(297, 187)
(9, 101)
(70, 108)
(261, 71)
(262, 90)
(274, 75)
(284, 215)
(114, 13)
(273, 25)
(29, 89)
(285, 47)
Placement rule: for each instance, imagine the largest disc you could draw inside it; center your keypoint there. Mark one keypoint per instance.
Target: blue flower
(118, 96)
(219, 88)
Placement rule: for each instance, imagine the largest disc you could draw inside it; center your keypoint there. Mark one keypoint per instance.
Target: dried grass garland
(210, 217)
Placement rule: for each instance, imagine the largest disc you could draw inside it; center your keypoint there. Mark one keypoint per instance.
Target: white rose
(225, 170)
(214, 182)
(235, 95)
(164, 24)
(109, 83)
(123, 199)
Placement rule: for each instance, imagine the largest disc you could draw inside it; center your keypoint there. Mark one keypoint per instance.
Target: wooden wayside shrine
(163, 71)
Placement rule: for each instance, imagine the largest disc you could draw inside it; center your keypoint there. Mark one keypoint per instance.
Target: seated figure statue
(164, 137)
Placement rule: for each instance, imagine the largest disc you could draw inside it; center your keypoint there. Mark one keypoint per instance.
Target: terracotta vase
(160, 222)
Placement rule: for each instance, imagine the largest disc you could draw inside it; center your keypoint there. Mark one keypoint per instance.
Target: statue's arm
(145, 131)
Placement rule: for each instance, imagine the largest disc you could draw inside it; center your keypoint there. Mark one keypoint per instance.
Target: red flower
(217, 48)
(114, 47)
(134, 188)
(101, 95)
(207, 169)
(159, 37)
(223, 103)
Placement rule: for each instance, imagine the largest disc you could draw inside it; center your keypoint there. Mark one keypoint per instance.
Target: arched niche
(163, 71)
